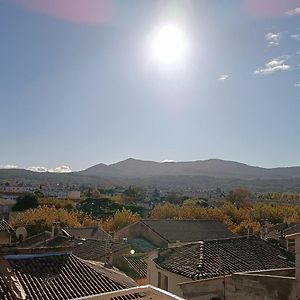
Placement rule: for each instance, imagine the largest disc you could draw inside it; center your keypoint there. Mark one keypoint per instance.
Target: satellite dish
(21, 233)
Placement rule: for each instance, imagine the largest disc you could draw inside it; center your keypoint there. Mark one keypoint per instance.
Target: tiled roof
(96, 233)
(141, 245)
(189, 230)
(292, 229)
(138, 265)
(95, 249)
(56, 277)
(213, 258)
(36, 240)
(4, 226)
(276, 234)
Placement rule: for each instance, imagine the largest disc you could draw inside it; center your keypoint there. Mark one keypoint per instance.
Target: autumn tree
(42, 218)
(121, 219)
(240, 196)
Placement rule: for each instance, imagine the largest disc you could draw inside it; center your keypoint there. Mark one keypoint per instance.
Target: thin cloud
(296, 37)
(8, 166)
(297, 85)
(273, 39)
(223, 77)
(293, 12)
(38, 169)
(277, 64)
(61, 169)
(167, 160)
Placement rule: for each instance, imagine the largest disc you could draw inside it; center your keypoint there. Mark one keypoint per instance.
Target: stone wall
(139, 229)
(263, 287)
(173, 278)
(243, 286)
(5, 238)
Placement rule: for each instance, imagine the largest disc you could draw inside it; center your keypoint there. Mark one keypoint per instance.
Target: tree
(240, 196)
(174, 198)
(134, 194)
(42, 218)
(121, 219)
(26, 202)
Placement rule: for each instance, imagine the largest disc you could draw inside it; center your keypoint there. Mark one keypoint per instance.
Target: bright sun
(168, 44)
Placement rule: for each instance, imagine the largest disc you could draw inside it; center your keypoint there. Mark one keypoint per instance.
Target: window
(166, 283)
(159, 279)
(162, 281)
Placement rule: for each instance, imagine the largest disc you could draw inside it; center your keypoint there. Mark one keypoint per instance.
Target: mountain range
(171, 176)
(133, 168)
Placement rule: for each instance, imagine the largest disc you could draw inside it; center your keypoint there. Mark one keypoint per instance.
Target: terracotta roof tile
(58, 276)
(138, 265)
(96, 233)
(189, 230)
(4, 226)
(213, 258)
(95, 249)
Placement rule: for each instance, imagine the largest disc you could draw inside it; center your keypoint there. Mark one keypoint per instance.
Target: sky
(79, 83)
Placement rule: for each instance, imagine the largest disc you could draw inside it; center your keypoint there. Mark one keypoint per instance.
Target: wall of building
(242, 287)
(173, 279)
(139, 229)
(5, 238)
(207, 289)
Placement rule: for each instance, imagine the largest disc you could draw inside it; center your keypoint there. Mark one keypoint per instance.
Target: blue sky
(77, 86)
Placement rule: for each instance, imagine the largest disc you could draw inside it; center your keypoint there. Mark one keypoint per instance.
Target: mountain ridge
(134, 168)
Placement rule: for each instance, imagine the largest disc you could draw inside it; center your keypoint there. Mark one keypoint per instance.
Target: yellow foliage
(120, 220)
(238, 219)
(43, 217)
(57, 203)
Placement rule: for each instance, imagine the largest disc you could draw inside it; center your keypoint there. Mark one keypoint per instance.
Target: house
(278, 235)
(56, 276)
(162, 233)
(96, 233)
(6, 233)
(89, 249)
(211, 259)
(144, 292)
(36, 240)
(74, 195)
(6, 206)
(105, 251)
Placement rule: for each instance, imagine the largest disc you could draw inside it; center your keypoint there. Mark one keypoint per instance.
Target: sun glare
(168, 44)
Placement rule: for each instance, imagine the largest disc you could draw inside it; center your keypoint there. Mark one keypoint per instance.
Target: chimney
(108, 254)
(296, 237)
(54, 229)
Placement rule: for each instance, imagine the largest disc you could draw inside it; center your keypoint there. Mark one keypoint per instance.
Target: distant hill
(133, 168)
(172, 176)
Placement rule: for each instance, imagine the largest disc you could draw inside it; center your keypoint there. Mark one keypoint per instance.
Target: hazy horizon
(67, 169)
(99, 81)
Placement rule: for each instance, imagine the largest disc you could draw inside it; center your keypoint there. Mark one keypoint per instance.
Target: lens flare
(168, 44)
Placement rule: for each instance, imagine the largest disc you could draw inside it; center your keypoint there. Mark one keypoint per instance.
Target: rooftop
(96, 249)
(189, 230)
(138, 264)
(88, 233)
(4, 226)
(56, 276)
(146, 292)
(213, 258)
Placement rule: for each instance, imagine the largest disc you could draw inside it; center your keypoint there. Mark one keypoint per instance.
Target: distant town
(195, 243)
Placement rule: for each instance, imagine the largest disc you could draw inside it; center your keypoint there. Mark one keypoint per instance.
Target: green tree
(26, 202)
(134, 194)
